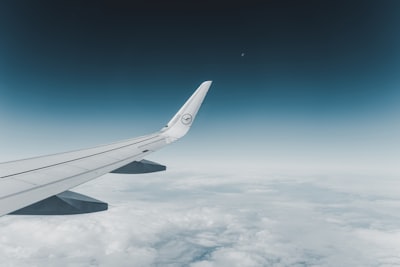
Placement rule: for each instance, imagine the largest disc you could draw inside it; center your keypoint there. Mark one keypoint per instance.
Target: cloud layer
(187, 219)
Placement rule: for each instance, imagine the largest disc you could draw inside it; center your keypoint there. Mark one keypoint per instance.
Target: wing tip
(179, 125)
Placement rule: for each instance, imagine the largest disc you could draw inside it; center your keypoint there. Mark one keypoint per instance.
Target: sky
(317, 84)
(301, 121)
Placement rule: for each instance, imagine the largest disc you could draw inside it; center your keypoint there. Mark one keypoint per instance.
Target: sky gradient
(317, 85)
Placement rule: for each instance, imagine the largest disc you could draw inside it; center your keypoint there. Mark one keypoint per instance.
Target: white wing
(39, 180)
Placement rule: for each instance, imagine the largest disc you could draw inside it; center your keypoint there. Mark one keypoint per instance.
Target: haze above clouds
(205, 219)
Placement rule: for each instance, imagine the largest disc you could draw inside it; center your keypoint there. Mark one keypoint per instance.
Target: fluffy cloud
(186, 219)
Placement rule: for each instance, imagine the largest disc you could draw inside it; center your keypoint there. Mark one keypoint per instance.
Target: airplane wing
(40, 185)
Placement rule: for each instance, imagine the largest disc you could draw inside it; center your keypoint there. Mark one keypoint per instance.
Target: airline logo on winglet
(186, 119)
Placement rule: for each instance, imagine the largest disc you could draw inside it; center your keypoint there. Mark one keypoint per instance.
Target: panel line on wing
(88, 156)
(66, 178)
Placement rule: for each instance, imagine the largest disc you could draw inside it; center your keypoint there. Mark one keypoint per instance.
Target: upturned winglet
(180, 124)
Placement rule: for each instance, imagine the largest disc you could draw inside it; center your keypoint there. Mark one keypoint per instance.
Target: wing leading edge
(38, 181)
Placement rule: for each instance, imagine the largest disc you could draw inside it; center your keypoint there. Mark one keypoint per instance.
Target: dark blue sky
(326, 70)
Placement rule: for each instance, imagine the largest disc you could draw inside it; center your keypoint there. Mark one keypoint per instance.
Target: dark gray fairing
(63, 204)
(70, 202)
(143, 166)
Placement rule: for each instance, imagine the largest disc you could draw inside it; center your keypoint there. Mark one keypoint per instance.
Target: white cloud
(186, 219)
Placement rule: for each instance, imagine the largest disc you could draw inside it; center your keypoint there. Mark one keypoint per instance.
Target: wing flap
(13, 185)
